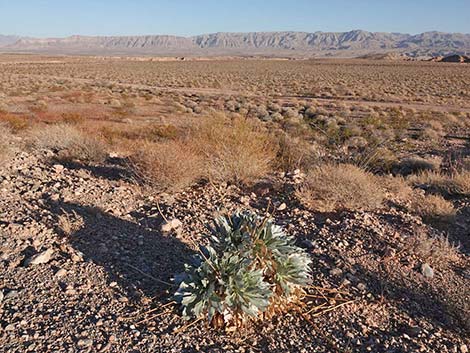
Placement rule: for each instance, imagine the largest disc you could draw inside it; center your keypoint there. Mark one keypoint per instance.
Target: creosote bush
(250, 269)
(332, 187)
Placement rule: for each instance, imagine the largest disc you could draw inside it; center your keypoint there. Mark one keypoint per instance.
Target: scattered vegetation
(16, 123)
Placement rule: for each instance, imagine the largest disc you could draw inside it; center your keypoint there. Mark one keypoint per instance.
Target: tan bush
(456, 184)
(397, 188)
(334, 187)
(235, 150)
(170, 165)
(5, 138)
(380, 160)
(15, 123)
(69, 143)
(73, 118)
(435, 250)
(433, 209)
(296, 153)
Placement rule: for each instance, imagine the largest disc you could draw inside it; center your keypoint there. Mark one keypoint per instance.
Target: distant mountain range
(8, 40)
(320, 44)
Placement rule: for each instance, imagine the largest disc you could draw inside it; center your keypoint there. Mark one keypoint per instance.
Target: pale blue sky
(47, 18)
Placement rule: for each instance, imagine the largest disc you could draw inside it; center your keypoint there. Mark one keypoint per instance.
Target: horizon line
(222, 32)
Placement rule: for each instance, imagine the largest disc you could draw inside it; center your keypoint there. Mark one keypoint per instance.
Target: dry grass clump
(16, 123)
(333, 187)
(455, 184)
(433, 209)
(296, 153)
(217, 148)
(235, 150)
(435, 250)
(5, 137)
(73, 118)
(69, 143)
(378, 160)
(69, 224)
(397, 188)
(148, 132)
(170, 165)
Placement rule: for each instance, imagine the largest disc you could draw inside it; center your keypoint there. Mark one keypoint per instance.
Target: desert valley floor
(112, 168)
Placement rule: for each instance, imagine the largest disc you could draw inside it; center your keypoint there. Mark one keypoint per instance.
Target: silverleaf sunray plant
(249, 269)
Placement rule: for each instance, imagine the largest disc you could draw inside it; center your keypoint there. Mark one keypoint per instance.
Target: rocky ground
(85, 265)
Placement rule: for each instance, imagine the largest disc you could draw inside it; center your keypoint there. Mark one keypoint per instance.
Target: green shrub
(251, 268)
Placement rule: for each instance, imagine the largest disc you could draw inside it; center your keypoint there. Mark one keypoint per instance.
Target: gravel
(97, 288)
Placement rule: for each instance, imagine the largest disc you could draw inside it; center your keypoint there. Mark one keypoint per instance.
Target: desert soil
(103, 279)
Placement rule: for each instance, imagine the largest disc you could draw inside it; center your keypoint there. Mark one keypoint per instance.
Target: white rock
(41, 258)
(58, 168)
(427, 271)
(1, 296)
(61, 273)
(84, 343)
(171, 225)
(282, 207)
(464, 348)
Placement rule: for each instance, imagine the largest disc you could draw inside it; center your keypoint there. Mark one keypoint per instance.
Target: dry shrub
(295, 153)
(461, 164)
(169, 165)
(333, 187)
(433, 209)
(73, 118)
(455, 184)
(235, 150)
(5, 138)
(436, 250)
(69, 224)
(149, 132)
(16, 123)
(69, 143)
(378, 160)
(397, 188)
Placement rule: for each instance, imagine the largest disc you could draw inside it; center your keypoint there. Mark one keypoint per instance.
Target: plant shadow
(114, 169)
(419, 301)
(141, 260)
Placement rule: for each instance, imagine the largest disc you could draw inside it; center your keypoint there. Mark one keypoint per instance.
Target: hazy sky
(187, 17)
